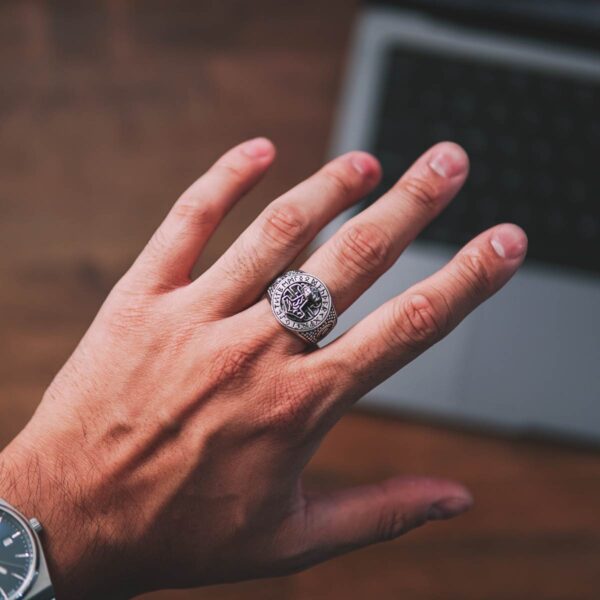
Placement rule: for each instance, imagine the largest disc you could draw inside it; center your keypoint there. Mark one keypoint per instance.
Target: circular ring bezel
(279, 285)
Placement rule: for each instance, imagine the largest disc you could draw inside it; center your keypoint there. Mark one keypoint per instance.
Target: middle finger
(368, 244)
(284, 229)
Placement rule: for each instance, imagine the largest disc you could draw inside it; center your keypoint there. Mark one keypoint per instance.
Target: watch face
(18, 556)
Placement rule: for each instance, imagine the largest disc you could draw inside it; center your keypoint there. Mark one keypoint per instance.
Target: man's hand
(168, 452)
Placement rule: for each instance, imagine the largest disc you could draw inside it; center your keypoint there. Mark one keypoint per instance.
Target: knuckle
(474, 272)
(198, 216)
(159, 243)
(289, 411)
(168, 421)
(242, 266)
(420, 191)
(235, 363)
(364, 248)
(417, 322)
(284, 224)
(391, 523)
(148, 272)
(393, 520)
(339, 180)
(232, 171)
(125, 317)
(131, 311)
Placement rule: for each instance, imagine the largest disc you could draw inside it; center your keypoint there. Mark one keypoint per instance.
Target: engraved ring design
(302, 304)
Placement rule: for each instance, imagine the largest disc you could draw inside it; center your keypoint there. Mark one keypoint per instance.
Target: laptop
(517, 83)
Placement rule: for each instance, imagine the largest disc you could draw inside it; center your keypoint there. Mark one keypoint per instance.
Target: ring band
(302, 304)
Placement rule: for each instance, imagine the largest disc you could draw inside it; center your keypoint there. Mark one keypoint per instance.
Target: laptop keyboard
(533, 139)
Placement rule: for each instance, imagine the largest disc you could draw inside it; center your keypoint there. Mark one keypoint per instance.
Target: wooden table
(108, 109)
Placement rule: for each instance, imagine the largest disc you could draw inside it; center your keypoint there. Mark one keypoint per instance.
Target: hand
(168, 452)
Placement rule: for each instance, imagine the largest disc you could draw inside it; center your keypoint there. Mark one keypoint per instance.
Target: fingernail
(449, 162)
(257, 147)
(509, 241)
(448, 508)
(363, 163)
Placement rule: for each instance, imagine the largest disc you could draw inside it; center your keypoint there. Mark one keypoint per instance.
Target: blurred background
(109, 109)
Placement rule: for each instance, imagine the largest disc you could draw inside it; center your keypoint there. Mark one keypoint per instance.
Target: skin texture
(168, 451)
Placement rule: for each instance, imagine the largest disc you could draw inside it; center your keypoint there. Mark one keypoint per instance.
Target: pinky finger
(170, 255)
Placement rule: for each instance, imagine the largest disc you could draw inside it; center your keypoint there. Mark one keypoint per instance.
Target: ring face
(302, 303)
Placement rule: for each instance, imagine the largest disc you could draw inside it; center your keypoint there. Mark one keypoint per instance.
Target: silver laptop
(518, 85)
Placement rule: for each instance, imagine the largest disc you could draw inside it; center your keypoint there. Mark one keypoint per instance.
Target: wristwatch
(23, 570)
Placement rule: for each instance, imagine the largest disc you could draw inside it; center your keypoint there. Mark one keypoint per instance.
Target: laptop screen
(584, 14)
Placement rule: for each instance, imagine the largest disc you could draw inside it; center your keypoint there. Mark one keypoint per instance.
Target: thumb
(342, 521)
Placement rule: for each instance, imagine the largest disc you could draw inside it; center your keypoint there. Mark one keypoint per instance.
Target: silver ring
(302, 304)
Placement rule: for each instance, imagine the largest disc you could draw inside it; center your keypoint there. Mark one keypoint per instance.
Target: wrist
(28, 482)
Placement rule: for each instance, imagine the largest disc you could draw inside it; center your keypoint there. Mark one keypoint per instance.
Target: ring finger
(283, 230)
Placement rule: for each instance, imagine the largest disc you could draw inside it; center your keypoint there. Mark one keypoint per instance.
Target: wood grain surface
(108, 110)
